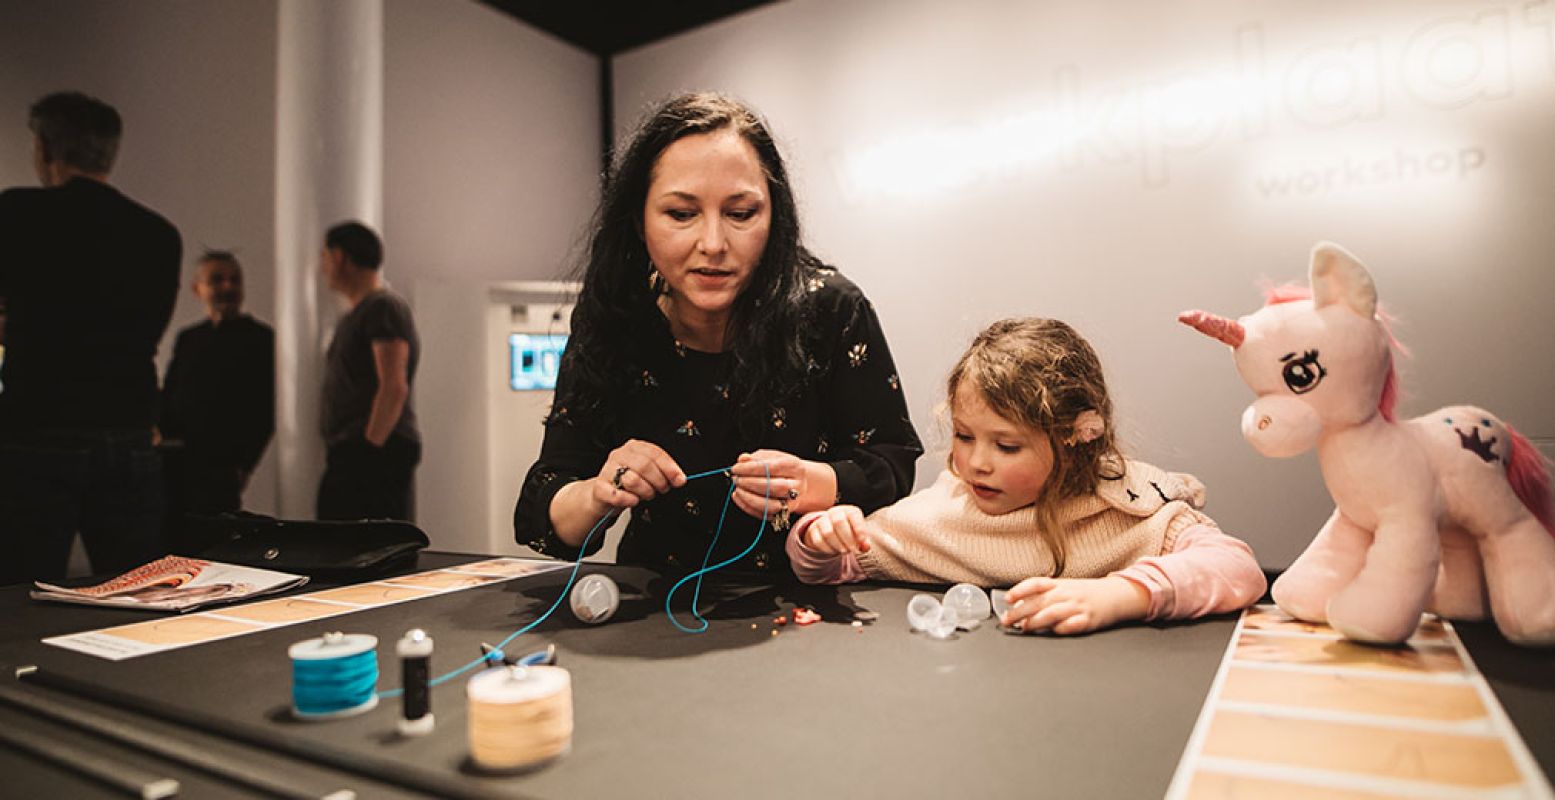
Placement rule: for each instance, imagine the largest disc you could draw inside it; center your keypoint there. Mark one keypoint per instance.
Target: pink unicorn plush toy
(1449, 512)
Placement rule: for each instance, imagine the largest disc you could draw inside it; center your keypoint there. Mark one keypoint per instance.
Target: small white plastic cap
(416, 727)
(1000, 603)
(922, 610)
(414, 643)
(944, 625)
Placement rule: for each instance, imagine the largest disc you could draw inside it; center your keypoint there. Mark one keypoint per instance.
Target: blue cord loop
(696, 595)
(583, 548)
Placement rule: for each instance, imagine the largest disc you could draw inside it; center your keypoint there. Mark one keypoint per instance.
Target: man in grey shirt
(368, 423)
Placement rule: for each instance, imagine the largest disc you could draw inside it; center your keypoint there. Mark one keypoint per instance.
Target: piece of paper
(174, 583)
(167, 633)
(1299, 711)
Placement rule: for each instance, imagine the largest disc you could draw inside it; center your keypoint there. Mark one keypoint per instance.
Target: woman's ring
(793, 494)
(616, 479)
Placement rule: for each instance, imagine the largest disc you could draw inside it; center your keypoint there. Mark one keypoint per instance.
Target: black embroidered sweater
(851, 414)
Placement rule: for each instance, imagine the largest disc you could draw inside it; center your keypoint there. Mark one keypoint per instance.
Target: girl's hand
(634, 473)
(837, 530)
(773, 482)
(1074, 605)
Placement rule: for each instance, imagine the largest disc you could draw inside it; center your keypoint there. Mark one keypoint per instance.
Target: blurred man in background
(218, 400)
(369, 423)
(90, 278)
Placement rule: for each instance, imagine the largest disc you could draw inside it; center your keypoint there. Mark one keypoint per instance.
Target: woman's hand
(776, 484)
(635, 473)
(837, 530)
(1074, 605)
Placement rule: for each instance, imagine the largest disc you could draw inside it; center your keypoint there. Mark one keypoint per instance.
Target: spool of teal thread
(334, 676)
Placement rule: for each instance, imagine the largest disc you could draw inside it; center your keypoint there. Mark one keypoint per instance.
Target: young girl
(1037, 495)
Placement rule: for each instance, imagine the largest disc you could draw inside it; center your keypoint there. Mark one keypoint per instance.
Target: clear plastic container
(595, 598)
(970, 604)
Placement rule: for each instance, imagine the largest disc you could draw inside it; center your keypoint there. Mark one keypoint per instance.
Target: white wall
(194, 81)
(491, 164)
(491, 161)
(1109, 165)
(1113, 164)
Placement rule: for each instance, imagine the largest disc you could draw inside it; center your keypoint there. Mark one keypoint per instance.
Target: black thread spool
(415, 652)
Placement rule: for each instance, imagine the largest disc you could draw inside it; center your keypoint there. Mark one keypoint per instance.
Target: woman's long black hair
(769, 359)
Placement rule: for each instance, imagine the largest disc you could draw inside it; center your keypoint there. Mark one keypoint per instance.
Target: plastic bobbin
(922, 610)
(970, 603)
(415, 652)
(925, 613)
(999, 602)
(334, 676)
(595, 598)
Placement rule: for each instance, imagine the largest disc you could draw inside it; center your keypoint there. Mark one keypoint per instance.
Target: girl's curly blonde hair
(1042, 375)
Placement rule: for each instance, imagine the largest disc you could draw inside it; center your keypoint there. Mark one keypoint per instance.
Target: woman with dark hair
(706, 336)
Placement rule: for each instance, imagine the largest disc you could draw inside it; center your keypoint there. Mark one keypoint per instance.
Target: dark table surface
(824, 710)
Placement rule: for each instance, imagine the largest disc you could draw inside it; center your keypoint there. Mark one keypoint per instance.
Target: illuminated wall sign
(1443, 63)
(534, 360)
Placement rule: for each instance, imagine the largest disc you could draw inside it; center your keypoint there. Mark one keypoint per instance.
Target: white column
(329, 168)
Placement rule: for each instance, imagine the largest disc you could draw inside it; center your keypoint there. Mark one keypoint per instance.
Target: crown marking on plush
(1480, 447)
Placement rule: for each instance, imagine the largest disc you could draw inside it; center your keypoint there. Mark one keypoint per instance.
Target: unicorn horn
(1215, 326)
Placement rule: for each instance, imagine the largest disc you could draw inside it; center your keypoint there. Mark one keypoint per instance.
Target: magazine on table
(175, 583)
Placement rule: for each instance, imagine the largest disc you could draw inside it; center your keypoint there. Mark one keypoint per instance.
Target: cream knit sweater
(939, 535)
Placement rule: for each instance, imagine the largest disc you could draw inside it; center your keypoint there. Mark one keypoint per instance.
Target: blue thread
(324, 686)
(583, 548)
(697, 594)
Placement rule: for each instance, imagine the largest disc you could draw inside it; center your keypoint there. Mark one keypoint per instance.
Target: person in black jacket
(707, 337)
(218, 399)
(90, 278)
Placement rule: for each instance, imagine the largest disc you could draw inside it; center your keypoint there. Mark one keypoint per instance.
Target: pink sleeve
(811, 566)
(1207, 572)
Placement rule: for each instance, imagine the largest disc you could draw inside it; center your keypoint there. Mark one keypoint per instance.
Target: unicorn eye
(1303, 374)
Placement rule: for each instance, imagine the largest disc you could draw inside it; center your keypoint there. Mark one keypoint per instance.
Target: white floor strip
(1484, 727)
(1178, 789)
(1325, 669)
(1534, 784)
(1320, 780)
(1421, 644)
(1519, 748)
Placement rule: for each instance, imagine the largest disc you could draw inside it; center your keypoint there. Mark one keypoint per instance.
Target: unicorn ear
(1338, 277)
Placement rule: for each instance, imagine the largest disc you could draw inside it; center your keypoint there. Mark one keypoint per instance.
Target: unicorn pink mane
(1285, 293)
(1526, 471)
(1291, 292)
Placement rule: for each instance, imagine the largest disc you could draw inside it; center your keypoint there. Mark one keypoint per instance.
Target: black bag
(316, 548)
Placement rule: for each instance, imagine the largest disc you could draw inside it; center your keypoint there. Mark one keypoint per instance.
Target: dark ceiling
(607, 27)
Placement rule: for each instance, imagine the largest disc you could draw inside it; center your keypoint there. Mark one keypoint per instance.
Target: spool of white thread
(520, 717)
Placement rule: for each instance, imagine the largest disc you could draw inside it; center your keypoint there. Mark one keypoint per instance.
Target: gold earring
(656, 282)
